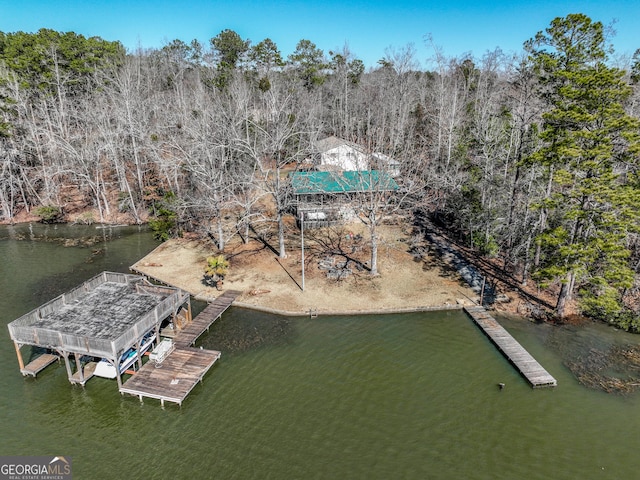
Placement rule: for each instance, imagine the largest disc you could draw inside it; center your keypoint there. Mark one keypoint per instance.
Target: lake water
(410, 396)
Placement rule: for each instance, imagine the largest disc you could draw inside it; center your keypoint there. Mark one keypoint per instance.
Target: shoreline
(460, 295)
(272, 285)
(311, 312)
(329, 313)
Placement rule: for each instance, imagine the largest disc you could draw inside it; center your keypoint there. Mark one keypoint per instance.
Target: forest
(529, 158)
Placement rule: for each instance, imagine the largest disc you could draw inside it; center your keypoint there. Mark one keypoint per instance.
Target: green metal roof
(342, 182)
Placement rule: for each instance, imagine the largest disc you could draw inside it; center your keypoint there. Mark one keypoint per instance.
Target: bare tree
(276, 135)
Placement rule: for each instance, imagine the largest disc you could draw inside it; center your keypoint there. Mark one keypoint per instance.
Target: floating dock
(38, 364)
(84, 374)
(528, 366)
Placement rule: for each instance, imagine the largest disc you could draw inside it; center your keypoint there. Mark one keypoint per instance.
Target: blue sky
(369, 28)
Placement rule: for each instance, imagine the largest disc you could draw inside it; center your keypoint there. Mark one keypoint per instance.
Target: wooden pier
(527, 365)
(38, 364)
(174, 378)
(190, 333)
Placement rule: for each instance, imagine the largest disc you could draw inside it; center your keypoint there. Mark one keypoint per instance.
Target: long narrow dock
(188, 335)
(527, 365)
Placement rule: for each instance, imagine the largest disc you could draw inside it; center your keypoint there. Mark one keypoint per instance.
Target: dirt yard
(406, 281)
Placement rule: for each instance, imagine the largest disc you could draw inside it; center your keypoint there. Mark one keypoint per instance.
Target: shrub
(49, 214)
(165, 223)
(215, 271)
(487, 245)
(163, 226)
(86, 218)
(216, 267)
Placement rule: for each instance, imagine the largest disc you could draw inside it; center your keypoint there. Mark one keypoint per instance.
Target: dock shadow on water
(241, 330)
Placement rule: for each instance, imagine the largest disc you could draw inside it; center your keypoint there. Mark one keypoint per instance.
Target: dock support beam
(19, 353)
(118, 374)
(67, 366)
(79, 368)
(139, 357)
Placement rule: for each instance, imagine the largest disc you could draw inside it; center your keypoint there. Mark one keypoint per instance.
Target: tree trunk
(374, 249)
(281, 247)
(564, 296)
(543, 218)
(221, 242)
(525, 268)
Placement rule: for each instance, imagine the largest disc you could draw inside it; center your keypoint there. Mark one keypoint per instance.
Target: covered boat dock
(104, 317)
(112, 315)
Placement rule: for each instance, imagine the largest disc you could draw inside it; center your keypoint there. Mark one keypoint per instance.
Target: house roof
(342, 182)
(385, 159)
(329, 143)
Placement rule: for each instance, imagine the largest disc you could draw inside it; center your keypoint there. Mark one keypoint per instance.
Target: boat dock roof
(102, 317)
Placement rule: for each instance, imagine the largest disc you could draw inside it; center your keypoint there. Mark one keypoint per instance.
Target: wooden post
(19, 353)
(189, 314)
(79, 367)
(138, 354)
(68, 366)
(118, 377)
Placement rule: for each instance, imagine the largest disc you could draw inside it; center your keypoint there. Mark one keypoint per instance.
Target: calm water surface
(397, 397)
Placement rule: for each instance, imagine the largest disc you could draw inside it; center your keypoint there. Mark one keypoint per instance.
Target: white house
(380, 161)
(333, 153)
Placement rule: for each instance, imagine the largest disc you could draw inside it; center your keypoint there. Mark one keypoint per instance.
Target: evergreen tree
(46, 59)
(229, 50)
(309, 63)
(265, 58)
(590, 147)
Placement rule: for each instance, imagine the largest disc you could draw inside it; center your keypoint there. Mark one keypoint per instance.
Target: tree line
(531, 158)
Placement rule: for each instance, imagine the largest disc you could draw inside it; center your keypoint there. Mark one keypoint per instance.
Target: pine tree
(590, 146)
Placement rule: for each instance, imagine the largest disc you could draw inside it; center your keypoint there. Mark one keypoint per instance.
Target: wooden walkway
(515, 353)
(38, 364)
(174, 378)
(190, 333)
